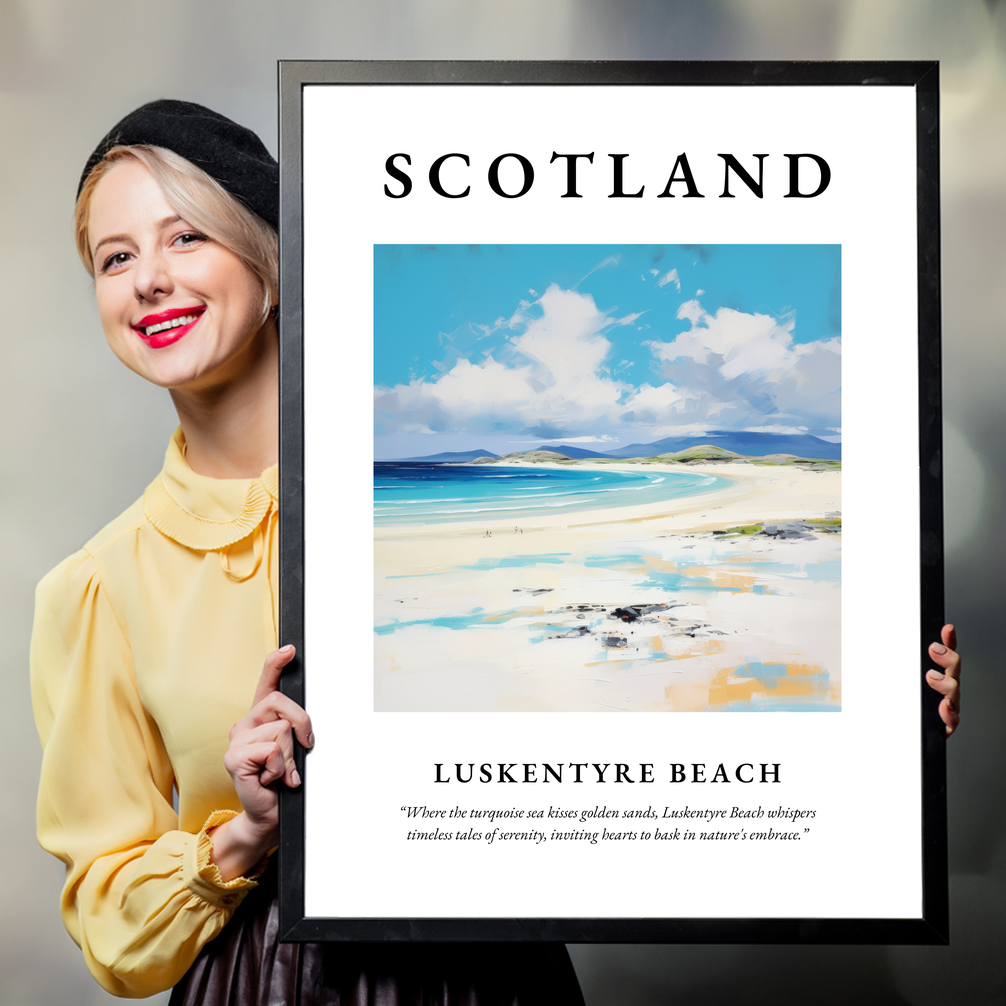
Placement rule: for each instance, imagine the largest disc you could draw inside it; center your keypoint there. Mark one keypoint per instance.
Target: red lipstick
(166, 328)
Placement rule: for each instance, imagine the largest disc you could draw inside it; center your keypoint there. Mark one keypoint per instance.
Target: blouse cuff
(202, 876)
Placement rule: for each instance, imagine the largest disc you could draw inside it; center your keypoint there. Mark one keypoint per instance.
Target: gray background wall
(82, 436)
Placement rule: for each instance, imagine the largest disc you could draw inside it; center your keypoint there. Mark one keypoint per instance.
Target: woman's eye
(114, 261)
(190, 238)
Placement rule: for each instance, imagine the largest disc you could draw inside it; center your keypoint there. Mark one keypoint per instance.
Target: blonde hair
(199, 200)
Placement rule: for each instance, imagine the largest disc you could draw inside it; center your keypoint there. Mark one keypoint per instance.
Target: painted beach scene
(607, 478)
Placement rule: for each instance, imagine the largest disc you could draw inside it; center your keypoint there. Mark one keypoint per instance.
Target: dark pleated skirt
(246, 965)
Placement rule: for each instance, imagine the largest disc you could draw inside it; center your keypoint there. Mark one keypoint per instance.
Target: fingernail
(295, 777)
(938, 648)
(287, 649)
(310, 740)
(936, 675)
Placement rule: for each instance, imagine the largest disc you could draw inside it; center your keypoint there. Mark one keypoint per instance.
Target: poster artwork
(639, 435)
(607, 477)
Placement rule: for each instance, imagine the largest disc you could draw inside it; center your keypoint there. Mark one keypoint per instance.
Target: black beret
(231, 154)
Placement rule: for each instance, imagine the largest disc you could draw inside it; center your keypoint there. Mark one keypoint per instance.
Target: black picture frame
(932, 925)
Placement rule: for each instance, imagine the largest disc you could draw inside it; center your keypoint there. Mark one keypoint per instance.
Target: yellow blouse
(147, 647)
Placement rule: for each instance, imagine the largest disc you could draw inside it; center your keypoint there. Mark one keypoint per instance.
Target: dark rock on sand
(634, 612)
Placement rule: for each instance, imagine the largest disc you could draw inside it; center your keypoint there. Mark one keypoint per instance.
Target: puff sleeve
(141, 897)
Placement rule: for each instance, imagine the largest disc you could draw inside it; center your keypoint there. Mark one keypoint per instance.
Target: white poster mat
(858, 769)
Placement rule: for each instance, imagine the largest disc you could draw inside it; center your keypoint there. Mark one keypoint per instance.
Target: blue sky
(499, 347)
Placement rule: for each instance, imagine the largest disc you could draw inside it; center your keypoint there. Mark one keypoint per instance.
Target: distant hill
(701, 452)
(754, 445)
(456, 456)
(535, 456)
(573, 452)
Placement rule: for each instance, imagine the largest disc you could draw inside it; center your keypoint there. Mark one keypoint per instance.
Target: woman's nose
(152, 277)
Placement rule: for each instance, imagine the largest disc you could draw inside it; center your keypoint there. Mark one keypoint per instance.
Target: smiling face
(177, 307)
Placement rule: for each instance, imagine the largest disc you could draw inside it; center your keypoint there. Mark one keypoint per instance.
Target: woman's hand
(948, 681)
(260, 753)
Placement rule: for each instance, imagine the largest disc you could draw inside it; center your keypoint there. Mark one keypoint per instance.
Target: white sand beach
(646, 607)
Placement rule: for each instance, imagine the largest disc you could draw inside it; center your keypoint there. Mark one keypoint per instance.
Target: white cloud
(415, 428)
(548, 380)
(746, 371)
(670, 277)
(603, 264)
(789, 430)
(566, 338)
(571, 440)
(552, 378)
(742, 343)
(681, 430)
(651, 402)
(629, 318)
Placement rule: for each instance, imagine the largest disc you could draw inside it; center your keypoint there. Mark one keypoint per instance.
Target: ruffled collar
(203, 513)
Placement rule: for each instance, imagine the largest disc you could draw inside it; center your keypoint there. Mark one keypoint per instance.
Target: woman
(149, 643)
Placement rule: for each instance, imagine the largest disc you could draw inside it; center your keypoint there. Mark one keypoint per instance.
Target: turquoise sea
(410, 492)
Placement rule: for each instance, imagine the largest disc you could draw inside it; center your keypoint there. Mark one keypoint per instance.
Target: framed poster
(613, 625)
